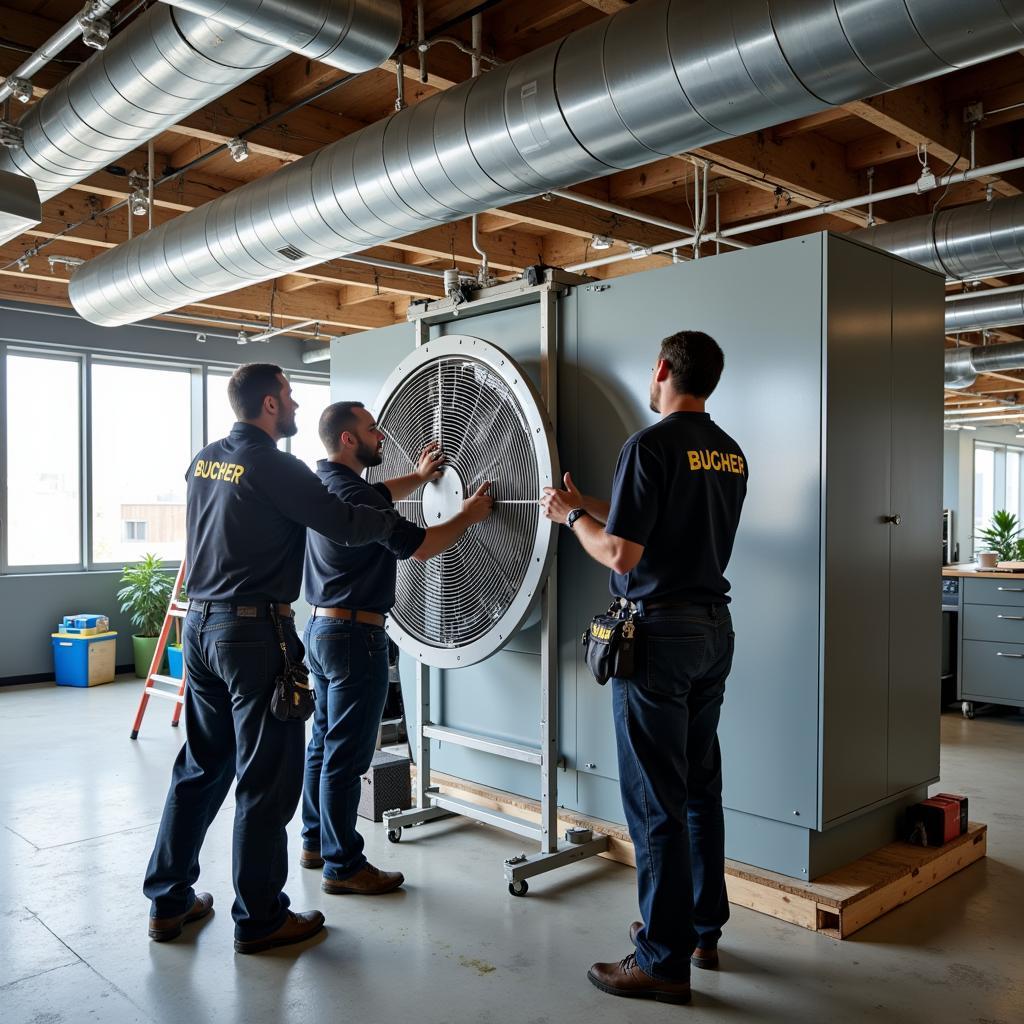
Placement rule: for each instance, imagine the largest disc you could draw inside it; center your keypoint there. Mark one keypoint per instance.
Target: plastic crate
(84, 660)
(175, 661)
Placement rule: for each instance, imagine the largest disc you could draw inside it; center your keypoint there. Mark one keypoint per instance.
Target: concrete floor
(79, 805)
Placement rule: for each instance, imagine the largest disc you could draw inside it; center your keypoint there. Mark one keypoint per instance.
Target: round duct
(464, 605)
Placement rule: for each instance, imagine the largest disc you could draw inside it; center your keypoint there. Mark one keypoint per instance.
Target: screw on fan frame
(464, 605)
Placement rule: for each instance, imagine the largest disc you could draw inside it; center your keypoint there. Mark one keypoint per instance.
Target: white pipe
(477, 42)
(371, 261)
(287, 329)
(985, 293)
(61, 39)
(958, 177)
(621, 211)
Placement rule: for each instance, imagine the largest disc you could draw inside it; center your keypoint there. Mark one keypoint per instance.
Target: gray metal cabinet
(992, 643)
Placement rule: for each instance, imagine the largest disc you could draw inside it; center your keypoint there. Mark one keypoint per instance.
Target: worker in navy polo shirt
(667, 535)
(248, 505)
(350, 591)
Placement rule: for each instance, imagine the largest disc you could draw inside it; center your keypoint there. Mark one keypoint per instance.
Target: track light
(242, 338)
(139, 202)
(239, 149)
(23, 264)
(21, 88)
(201, 338)
(73, 262)
(601, 242)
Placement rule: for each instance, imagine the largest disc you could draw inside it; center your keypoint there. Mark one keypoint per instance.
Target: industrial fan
(463, 605)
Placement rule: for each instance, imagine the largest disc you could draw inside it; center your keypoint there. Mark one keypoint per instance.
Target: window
(984, 486)
(141, 448)
(219, 417)
(997, 482)
(135, 529)
(43, 432)
(312, 399)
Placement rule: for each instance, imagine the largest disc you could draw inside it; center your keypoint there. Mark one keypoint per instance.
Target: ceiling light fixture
(201, 338)
(139, 203)
(242, 338)
(64, 261)
(601, 242)
(23, 264)
(239, 149)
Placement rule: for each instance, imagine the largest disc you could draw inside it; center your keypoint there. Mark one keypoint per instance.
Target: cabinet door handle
(895, 519)
(1012, 618)
(1011, 590)
(999, 654)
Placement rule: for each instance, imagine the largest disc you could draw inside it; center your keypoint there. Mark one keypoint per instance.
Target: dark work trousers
(348, 663)
(230, 733)
(670, 771)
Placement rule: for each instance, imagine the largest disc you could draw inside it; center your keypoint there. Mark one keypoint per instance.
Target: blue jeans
(348, 664)
(670, 771)
(230, 733)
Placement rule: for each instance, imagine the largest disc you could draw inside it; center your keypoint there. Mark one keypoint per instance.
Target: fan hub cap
(443, 498)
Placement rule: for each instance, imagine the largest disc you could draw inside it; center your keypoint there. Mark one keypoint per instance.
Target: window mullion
(86, 461)
(5, 434)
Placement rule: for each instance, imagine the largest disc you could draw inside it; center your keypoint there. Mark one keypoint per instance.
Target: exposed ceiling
(834, 155)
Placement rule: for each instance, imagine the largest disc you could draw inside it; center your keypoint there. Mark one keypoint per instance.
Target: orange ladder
(156, 684)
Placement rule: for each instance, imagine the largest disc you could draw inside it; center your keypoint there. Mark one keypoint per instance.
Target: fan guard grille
(461, 605)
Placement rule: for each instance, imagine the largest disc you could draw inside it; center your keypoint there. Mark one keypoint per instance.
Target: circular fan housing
(464, 605)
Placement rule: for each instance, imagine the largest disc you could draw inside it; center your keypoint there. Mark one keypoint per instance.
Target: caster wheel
(968, 709)
(394, 835)
(519, 888)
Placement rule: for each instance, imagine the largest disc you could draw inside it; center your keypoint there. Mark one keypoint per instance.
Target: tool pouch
(610, 642)
(292, 699)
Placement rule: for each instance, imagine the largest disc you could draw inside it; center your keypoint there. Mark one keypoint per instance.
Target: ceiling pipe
(355, 35)
(984, 312)
(964, 364)
(656, 79)
(162, 67)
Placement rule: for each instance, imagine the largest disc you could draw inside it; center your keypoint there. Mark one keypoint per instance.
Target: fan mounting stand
(442, 499)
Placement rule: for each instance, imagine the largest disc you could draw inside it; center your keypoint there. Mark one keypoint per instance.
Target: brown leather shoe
(310, 859)
(163, 929)
(296, 928)
(705, 959)
(370, 881)
(625, 978)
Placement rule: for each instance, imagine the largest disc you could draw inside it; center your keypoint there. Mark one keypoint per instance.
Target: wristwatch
(573, 515)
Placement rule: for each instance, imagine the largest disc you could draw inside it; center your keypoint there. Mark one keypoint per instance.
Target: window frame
(197, 424)
(31, 352)
(1000, 449)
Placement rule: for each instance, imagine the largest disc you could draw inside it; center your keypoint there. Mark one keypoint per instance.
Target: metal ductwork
(964, 364)
(965, 242)
(984, 312)
(167, 64)
(352, 34)
(656, 79)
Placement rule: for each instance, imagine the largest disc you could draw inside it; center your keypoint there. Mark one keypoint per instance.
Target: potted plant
(144, 595)
(1003, 536)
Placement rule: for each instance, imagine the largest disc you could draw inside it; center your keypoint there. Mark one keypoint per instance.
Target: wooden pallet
(837, 904)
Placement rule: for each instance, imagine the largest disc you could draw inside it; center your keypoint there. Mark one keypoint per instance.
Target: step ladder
(158, 685)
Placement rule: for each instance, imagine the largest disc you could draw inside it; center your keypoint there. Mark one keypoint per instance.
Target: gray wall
(31, 605)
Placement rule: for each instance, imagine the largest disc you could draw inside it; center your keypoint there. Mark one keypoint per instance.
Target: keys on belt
(349, 614)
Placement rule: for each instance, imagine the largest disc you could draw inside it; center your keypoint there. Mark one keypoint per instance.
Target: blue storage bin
(84, 660)
(175, 661)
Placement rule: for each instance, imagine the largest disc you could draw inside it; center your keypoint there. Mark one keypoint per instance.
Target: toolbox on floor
(84, 660)
(386, 786)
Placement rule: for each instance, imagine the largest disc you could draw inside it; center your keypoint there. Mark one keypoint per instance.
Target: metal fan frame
(545, 540)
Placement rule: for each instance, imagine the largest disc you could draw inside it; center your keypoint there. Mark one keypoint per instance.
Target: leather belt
(242, 611)
(351, 614)
(659, 606)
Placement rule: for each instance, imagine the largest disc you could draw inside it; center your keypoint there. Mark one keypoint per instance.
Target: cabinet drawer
(1008, 591)
(1003, 623)
(994, 670)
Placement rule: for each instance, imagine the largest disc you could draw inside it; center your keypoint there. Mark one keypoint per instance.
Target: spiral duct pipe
(653, 80)
(983, 313)
(965, 242)
(964, 364)
(168, 63)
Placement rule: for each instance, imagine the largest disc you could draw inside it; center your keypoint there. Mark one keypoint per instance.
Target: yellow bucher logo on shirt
(720, 462)
(228, 472)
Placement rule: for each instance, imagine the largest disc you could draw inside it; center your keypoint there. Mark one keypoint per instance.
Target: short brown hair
(335, 420)
(696, 362)
(249, 385)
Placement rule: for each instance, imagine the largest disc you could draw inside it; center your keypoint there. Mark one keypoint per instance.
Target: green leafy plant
(1003, 536)
(145, 593)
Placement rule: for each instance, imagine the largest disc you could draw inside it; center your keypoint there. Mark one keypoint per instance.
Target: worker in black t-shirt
(667, 536)
(350, 590)
(247, 508)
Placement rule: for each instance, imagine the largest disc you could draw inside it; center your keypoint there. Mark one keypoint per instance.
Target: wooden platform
(837, 904)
